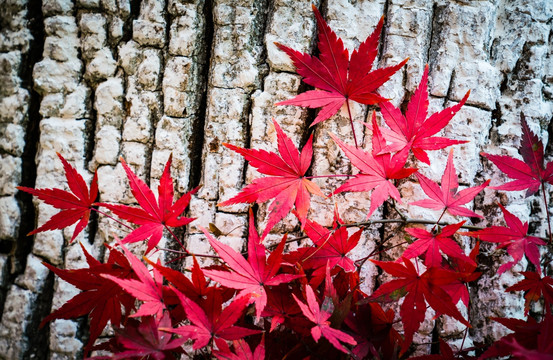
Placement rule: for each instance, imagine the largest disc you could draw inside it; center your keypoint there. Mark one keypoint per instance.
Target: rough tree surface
(99, 79)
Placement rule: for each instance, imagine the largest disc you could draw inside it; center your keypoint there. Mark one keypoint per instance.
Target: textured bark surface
(99, 79)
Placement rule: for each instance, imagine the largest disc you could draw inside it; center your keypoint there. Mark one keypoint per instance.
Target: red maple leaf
(337, 77)
(465, 269)
(430, 244)
(152, 216)
(242, 350)
(446, 196)
(519, 352)
(75, 205)
(373, 330)
(536, 287)
(514, 237)
(529, 338)
(331, 248)
(414, 130)
(286, 182)
(145, 288)
(216, 323)
(280, 306)
(530, 173)
(196, 288)
(252, 275)
(100, 299)
(145, 340)
(376, 170)
(416, 289)
(320, 316)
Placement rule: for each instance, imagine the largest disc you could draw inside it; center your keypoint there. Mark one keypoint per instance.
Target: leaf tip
(465, 98)
(280, 45)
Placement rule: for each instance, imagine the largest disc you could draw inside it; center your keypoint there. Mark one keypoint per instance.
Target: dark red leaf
(529, 338)
(528, 174)
(373, 330)
(145, 340)
(514, 237)
(418, 290)
(100, 299)
(215, 323)
(536, 287)
(320, 316)
(466, 272)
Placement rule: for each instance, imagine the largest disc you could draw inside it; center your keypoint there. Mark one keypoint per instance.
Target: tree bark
(96, 80)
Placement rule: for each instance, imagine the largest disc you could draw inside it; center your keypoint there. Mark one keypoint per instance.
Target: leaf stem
(351, 122)
(401, 215)
(112, 218)
(325, 176)
(396, 221)
(188, 253)
(374, 253)
(438, 221)
(547, 211)
(175, 237)
(464, 337)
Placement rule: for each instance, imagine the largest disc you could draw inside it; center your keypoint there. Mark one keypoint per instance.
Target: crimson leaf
(514, 237)
(430, 244)
(145, 288)
(215, 324)
(252, 275)
(414, 130)
(74, 205)
(152, 216)
(376, 170)
(322, 327)
(528, 174)
(445, 196)
(337, 77)
(417, 288)
(286, 183)
(99, 298)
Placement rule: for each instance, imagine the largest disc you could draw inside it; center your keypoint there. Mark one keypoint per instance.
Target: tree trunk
(96, 80)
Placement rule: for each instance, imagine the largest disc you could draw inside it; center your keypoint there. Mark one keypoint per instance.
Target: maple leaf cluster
(308, 303)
